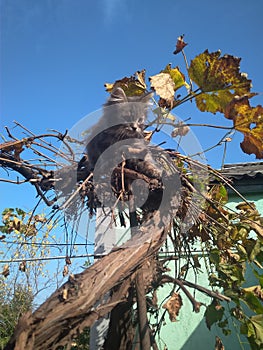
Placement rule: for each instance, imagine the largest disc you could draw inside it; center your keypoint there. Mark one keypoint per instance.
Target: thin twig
(48, 258)
(63, 206)
(17, 182)
(216, 173)
(10, 135)
(187, 67)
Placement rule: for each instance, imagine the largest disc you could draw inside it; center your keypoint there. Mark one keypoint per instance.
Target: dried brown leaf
(6, 270)
(164, 86)
(173, 306)
(180, 129)
(219, 345)
(134, 85)
(180, 44)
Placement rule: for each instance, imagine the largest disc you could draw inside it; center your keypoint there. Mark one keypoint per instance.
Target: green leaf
(259, 277)
(219, 194)
(226, 331)
(233, 294)
(214, 313)
(20, 212)
(8, 211)
(244, 328)
(215, 256)
(213, 102)
(252, 301)
(257, 249)
(233, 272)
(257, 322)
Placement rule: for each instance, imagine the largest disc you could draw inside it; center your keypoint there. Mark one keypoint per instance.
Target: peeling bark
(56, 321)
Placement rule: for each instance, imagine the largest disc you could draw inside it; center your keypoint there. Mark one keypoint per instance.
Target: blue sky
(56, 56)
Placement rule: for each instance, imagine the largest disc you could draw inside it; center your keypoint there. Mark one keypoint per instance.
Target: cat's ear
(117, 96)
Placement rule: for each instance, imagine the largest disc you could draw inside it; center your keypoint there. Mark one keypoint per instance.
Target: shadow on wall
(204, 339)
(201, 338)
(190, 331)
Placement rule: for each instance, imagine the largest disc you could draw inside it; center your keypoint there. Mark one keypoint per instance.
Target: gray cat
(123, 121)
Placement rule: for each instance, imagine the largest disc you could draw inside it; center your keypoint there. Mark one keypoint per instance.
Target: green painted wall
(190, 331)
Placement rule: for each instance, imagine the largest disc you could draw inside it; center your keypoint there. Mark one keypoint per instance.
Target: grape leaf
(256, 290)
(249, 121)
(167, 82)
(219, 194)
(173, 306)
(219, 79)
(252, 300)
(257, 322)
(177, 76)
(164, 86)
(180, 44)
(214, 313)
(259, 277)
(132, 86)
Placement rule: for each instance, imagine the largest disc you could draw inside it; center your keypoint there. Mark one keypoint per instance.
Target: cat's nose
(135, 127)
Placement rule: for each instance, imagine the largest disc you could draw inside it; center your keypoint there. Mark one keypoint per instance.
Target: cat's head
(124, 109)
(118, 96)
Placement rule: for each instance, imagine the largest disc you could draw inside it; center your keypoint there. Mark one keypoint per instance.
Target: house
(247, 178)
(190, 331)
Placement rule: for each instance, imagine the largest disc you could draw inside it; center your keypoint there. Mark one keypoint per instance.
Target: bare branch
(182, 283)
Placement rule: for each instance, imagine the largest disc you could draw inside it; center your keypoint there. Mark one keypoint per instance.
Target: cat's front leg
(139, 158)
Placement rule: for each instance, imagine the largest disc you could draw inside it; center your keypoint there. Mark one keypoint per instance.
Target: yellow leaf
(212, 72)
(219, 79)
(176, 75)
(249, 121)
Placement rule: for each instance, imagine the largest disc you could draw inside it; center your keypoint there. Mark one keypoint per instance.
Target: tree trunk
(121, 334)
(142, 311)
(71, 308)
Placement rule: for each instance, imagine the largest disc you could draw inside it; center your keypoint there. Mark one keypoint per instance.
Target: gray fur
(123, 118)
